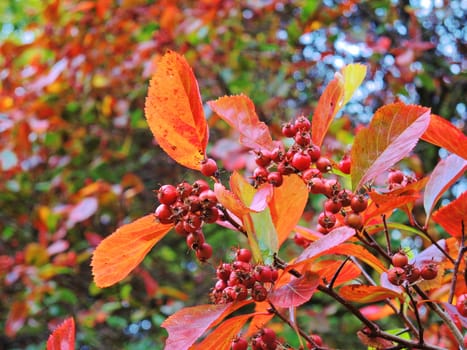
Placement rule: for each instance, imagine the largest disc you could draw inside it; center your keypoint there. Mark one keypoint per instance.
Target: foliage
(77, 160)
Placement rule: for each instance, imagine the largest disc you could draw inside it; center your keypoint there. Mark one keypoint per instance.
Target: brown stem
(460, 256)
(417, 315)
(386, 234)
(230, 220)
(432, 240)
(339, 269)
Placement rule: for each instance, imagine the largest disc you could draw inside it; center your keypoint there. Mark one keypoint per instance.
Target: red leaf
(174, 111)
(331, 240)
(451, 216)
(329, 104)
(367, 294)
(239, 112)
(63, 337)
(297, 292)
(446, 172)
(444, 134)
(16, 318)
(287, 205)
(392, 134)
(188, 324)
(376, 312)
(118, 254)
(221, 338)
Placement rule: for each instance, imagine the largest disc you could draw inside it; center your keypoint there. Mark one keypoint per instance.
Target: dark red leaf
(297, 292)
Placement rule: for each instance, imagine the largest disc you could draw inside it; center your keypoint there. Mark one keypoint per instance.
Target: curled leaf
(174, 111)
(118, 254)
(239, 112)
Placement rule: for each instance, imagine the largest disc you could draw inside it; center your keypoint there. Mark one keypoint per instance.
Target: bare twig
(460, 256)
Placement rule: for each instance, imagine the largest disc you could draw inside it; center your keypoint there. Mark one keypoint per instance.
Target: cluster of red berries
(265, 339)
(397, 179)
(403, 271)
(188, 207)
(240, 279)
(300, 157)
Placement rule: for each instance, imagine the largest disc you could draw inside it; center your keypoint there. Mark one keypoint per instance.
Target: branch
(460, 256)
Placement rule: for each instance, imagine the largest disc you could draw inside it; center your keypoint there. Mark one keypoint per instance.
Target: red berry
(323, 164)
(164, 214)
(358, 203)
(241, 291)
(260, 175)
(208, 199)
(317, 339)
(275, 178)
(461, 304)
(192, 223)
(167, 194)
(268, 336)
(327, 220)
(300, 240)
(220, 285)
(396, 276)
(184, 189)
(344, 165)
(400, 259)
(303, 138)
(263, 274)
(332, 205)
(223, 271)
(332, 187)
(263, 158)
(208, 167)
(258, 292)
(288, 130)
(412, 273)
(316, 185)
(210, 215)
(345, 197)
(354, 220)
(239, 344)
(199, 186)
(302, 124)
(244, 255)
(314, 152)
(195, 239)
(308, 174)
(301, 161)
(396, 177)
(204, 252)
(429, 271)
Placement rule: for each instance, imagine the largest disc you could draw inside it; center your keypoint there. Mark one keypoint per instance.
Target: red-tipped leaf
(118, 254)
(174, 111)
(392, 134)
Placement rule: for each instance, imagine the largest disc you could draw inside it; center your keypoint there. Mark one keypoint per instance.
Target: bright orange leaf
(451, 216)
(230, 200)
(367, 294)
(239, 112)
(385, 203)
(392, 134)
(63, 337)
(174, 111)
(444, 134)
(287, 205)
(360, 252)
(221, 338)
(118, 254)
(327, 269)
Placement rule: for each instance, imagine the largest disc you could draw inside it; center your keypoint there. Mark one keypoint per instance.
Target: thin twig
(338, 271)
(230, 220)
(417, 315)
(460, 256)
(432, 240)
(386, 234)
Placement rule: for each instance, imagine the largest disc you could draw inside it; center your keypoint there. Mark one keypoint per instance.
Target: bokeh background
(77, 159)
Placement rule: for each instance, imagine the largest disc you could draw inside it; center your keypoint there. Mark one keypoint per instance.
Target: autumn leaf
(453, 217)
(239, 112)
(221, 338)
(392, 134)
(337, 93)
(63, 337)
(385, 203)
(376, 312)
(174, 111)
(367, 294)
(331, 240)
(188, 324)
(16, 317)
(360, 252)
(297, 292)
(446, 172)
(230, 200)
(118, 254)
(444, 134)
(326, 270)
(287, 205)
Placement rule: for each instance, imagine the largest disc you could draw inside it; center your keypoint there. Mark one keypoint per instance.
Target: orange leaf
(287, 205)
(444, 134)
(377, 312)
(63, 337)
(451, 216)
(359, 252)
(261, 318)
(327, 269)
(221, 338)
(239, 112)
(230, 201)
(367, 294)
(174, 111)
(329, 104)
(118, 254)
(386, 203)
(392, 134)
